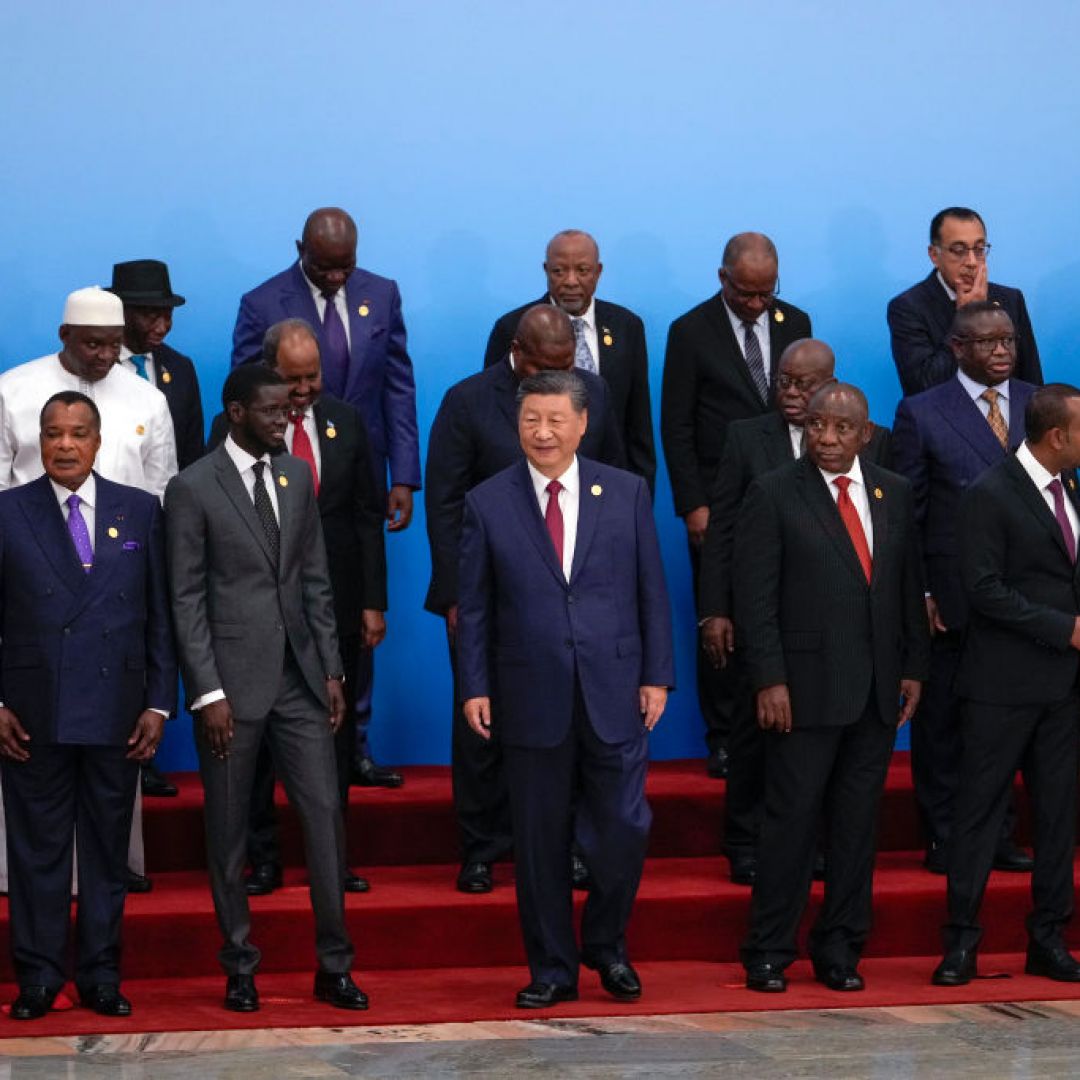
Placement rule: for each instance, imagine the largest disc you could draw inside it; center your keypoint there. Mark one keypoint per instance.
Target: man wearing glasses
(920, 318)
(720, 366)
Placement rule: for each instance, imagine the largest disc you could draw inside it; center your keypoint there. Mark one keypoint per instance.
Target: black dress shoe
(839, 977)
(620, 980)
(356, 883)
(935, 860)
(717, 765)
(1057, 963)
(33, 1002)
(154, 784)
(105, 999)
(743, 868)
(263, 879)
(579, 873)
(766, 978)
(138, 883)
(957, 968)
(542, 995)
(1012, 860)
(475, 877)
(240, 994)
(339, 990)
(365, 773)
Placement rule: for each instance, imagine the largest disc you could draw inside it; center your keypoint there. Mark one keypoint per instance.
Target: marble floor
(1032, 1039)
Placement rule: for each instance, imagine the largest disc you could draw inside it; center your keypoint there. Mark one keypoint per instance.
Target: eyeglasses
(961, 251)
(987, 346)
(765, 297)
(272, 412)
(805, 385)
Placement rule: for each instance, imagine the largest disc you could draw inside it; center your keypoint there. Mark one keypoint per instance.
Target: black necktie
(265, 509)
(754, 360)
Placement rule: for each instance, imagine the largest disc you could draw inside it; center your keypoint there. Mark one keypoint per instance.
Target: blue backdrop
(462, 136)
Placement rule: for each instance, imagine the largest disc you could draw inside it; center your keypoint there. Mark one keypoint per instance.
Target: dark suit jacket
(474, 436)
(919, 321)
(1023, 592)
(808, 617)
(753, 448)
(380, 383)
(83, 654)
(174, 376)
(942, 444)
(624, 366)
(234, 608)
(707, 385)
(527, 636)
(350, 509)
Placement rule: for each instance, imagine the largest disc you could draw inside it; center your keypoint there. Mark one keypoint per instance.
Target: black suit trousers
(838, 772)
(1042, 741)
(63, 794)
(717, 688)
(744, 795)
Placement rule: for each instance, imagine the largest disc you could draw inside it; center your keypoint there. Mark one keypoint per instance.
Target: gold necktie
(995, 419)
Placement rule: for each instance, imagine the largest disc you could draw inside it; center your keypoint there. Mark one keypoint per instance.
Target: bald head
(327, 249)
(754, 247)
(543, 341)
(748, 275)
(329, 223)
(805, 366)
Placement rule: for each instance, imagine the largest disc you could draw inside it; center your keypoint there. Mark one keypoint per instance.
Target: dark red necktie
(301, 447)
(854, 525)
(1062, 517)
(553, 518)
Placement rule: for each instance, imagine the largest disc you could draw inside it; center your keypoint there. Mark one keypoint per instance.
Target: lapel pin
(139, 429)
(608, 339)
(1072, 484)
(778, 316)
(165, 376)
(114, 532)
(363, 311)
(878, 493)
(331, 431)
(283, 480)
(596, 489)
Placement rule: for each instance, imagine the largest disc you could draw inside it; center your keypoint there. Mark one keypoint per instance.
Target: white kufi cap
(93, 307)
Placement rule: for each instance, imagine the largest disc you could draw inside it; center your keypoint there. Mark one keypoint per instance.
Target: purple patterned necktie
(80, 534)
(335, 354)
(1054, 487)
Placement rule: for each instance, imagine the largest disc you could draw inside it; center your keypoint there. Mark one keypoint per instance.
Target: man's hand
(934, 617)
(697, 521)
(149, 729)
(774, 708)
(336, 692)
(910, 692)
(372, 627)
(13, 737)
(217, 725)
(651, 702)
(451, 622)
(718, 639)
(478, 714)
(398, 508)
(976, 291)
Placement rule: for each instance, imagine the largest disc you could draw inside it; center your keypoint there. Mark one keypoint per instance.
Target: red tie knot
(843, 483)
(553, 489)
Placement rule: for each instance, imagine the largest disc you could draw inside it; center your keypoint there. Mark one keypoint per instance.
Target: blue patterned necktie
(583, 357)
(754, 360)
(335, 353)
(140, 365)
(80, 534)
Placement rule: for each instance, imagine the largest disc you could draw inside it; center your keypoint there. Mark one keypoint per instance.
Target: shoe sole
(232, 1007)
(546, 1004)
(1042, 973)
(359, 1006)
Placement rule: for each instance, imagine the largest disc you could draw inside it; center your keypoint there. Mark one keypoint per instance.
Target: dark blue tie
(335, 356)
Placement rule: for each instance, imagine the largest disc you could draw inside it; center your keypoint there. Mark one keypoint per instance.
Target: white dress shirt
(148, 358)
(1042, 479)
(588, 318)
(569, 500)
(761, 331)
(950, 293)
(312, 434)
(340, 302)
(137, 443)
(795, 433)
(976, 390)
(859, 496)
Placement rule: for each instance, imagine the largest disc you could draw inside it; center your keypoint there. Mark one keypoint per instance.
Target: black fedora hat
(144, 283)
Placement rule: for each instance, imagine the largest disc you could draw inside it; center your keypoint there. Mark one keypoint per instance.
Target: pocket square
(131, 545)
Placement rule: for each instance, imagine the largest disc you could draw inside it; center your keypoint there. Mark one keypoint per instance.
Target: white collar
(1034, 467)
(854, 474)
(240, 457)
(588, 316)
(977, 389)
(570, 479)
(951, 293)
(87, 492)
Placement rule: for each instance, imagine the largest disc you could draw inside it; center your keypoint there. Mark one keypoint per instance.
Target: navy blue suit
(942, 443)
(562, 662)
(380, 381)
(81, 656)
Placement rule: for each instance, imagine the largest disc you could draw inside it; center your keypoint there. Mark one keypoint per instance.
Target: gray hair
(555, 383)
(285, 328)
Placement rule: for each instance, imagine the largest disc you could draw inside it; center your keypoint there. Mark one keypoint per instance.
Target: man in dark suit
(254, 617)
(1017, 679)
(829, 599)
(920, 318)
(943, 440)
(753, 448)
(87, 679)
(610, 341)
(329, 436)
(473, 437)
(144, 287)
(565, 649)
(720, 367)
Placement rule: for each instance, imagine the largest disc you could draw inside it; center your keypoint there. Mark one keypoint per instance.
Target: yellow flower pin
(363, 311)
(283, 481)
(1072, 483)
(878, 493)
(778, 315)
(331, 431)
(596, 489)
(139, 429)
(608, 339)
(114, 532)
(166, 377)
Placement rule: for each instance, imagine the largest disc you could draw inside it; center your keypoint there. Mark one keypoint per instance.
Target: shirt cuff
(207, 699)
(161, 712)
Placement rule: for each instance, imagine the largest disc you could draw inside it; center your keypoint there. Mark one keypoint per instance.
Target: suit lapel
(505, 385)
(879, 519)
(329, 447)
(528, 511)
(820, 500)
(1033, 499)
(286, 507)
(608, 340)
(965, 417)
(233, 486)
(1019, 395)
(360, 325)
(777, 441)
(718, 316)
(46, 522)
(590, 503)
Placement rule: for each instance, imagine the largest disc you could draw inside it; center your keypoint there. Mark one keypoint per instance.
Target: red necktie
(301, 447)
(854, 525)
(553, 518)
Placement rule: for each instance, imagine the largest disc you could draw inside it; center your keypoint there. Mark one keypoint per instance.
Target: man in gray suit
(255, 618)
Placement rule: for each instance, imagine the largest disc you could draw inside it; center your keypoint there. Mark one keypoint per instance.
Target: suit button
(123, 595)
(104, 633)
(570, 599)
(104, 672)
(67, 631)
(569, 643)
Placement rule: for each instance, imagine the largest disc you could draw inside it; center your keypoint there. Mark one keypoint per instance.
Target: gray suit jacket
(234, 611)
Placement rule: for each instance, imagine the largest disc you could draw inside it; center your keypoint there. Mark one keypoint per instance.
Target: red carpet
(427, 953)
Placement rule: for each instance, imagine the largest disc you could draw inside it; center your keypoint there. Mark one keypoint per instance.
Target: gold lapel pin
(778, 315)
(608, 339)
(878, 493)
(165, 376)
(331, 431)
(114, 532)
(1072, 484)
(139, 429)
(363, 311)
(283, 480)
(596, 489)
